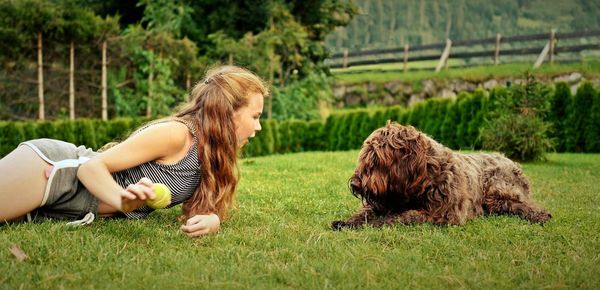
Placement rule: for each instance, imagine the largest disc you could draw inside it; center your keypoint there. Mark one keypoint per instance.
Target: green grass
(279, 237)
(384, 73)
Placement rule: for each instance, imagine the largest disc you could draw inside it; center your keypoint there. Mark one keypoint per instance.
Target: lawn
(278, 237)
(386, 72)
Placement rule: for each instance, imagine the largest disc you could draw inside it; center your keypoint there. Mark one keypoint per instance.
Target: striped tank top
(182, 177)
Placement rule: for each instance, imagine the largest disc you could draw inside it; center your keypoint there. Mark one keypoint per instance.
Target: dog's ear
(373, 166)
(409, 160)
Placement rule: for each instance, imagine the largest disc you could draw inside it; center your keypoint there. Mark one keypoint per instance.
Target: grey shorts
(65, 198)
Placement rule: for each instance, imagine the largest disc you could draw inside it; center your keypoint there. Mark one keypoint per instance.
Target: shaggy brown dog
(405, 177)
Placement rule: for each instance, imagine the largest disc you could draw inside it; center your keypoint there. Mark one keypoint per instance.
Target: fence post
(405, 57)
(72, 81)
(444, 58)
(345, 62)
(103, 84)
(497, 52)
(40, 69)
(552, 44)
(542, 56)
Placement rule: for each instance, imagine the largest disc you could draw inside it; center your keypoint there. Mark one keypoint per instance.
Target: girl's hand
(199, 225)
(135, 194)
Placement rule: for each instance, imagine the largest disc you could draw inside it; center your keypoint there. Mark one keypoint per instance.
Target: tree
(518, 128)
(33, 19)
(578, 118)
(561, 101)
(78, 25)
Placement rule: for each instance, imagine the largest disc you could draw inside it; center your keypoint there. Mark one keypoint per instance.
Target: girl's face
(247, 119)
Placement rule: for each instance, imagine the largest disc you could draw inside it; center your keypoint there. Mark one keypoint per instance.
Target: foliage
(479, 113)
(464, 107)
(165, 15)
(288, 54)
(592, 130)
(561, 102)
(300, 99)
(157, 60)
(578, 117)
(518, 128)
(347, 129)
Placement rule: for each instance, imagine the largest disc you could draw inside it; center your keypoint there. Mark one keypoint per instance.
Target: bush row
(89, 132)
(455, 123)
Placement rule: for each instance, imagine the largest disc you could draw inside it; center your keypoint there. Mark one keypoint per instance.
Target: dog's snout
(354, 184)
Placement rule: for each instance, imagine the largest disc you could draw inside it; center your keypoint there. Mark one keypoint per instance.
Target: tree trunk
(188, 81)
(150, 81)
(448, 20)
(72, 81)
(281, 79)
(271, 79)
(40, 79)
(103, 84)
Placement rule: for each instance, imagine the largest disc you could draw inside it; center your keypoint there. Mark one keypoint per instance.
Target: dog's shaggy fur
(405, 177)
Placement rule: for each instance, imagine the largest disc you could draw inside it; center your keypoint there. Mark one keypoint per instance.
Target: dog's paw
(338, 225)
(540, 217)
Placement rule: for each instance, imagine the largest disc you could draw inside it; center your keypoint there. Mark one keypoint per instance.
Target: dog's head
(393, 166)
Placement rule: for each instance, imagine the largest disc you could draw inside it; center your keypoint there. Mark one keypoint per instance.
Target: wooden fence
(410, 54)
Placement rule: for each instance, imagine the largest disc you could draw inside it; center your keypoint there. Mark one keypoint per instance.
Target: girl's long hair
(213, 101)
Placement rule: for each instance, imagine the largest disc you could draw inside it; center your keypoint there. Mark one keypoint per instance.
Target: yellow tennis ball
(163, 196)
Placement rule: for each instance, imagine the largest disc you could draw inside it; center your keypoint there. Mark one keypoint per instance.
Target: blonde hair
(213, 101)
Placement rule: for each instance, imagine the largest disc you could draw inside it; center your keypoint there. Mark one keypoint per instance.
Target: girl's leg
(22, 183)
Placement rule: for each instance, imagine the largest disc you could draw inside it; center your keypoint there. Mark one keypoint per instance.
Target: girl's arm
(164, 142)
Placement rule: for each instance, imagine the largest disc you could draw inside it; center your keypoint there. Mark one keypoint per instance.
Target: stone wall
(398, 92)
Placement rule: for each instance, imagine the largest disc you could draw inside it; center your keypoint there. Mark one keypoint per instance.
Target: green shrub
(30, 130)
(592, 130)
(561, 101)
(517, 127)
(416, 115)
(479, 112)
(85, 130)
(12, 135)
(578, 117)
(366, 128)
(433, 116)
(437, 121)
(331, 130)
(46, 129)
(379, 118)
(297, 130)
(464, 100)
(342, 133)
(314, 138)
(284, 137)
(429, 108)
(356, 135)
(518, 137)
(448, 134)
(65, 131)
(119, 129)
(394, 113)
(276, 136)
(267, 136)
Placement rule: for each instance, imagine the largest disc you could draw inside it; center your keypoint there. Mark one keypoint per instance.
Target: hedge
(454, 122)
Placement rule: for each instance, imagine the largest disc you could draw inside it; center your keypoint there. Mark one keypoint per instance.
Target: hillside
(389, 23)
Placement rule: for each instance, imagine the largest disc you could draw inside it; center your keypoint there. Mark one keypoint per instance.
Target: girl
(194, 153)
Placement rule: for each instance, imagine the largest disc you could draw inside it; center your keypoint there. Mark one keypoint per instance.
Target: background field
(279, 237)
(390, 72)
